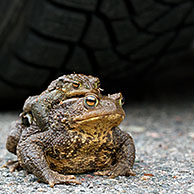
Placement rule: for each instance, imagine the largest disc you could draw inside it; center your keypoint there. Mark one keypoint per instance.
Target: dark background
(140, 48)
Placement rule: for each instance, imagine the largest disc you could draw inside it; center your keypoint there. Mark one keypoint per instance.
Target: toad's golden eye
(76, 85)
(91, 101)
(121, 101)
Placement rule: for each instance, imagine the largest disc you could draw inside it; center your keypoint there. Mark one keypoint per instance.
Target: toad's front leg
(124, 156)
(31, 157)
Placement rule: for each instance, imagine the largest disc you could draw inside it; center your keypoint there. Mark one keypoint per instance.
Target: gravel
(164, 139)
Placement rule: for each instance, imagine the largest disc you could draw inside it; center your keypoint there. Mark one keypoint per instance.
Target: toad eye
(91, 101)
(121, 101)
(76, 85)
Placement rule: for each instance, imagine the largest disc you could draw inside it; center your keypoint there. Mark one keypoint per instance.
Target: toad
(83, 137)
(37, 107)
(64, 87)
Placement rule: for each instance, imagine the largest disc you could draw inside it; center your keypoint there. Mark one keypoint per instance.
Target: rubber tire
(121, 41)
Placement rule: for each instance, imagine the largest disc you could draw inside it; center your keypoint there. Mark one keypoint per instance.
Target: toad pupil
(76, 85)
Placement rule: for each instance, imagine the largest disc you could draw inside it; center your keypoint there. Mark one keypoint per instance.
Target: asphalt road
(164, 138)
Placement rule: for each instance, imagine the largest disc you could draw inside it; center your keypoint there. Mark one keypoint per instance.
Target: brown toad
(37, 107)
(83, 137)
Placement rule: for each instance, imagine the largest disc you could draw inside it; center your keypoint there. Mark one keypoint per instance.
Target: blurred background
(143, 48)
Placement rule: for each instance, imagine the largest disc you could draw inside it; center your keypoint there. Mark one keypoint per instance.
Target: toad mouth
(107, 116)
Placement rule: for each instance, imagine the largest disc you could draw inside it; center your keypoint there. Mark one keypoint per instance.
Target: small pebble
(136, 129)
(191, 134)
